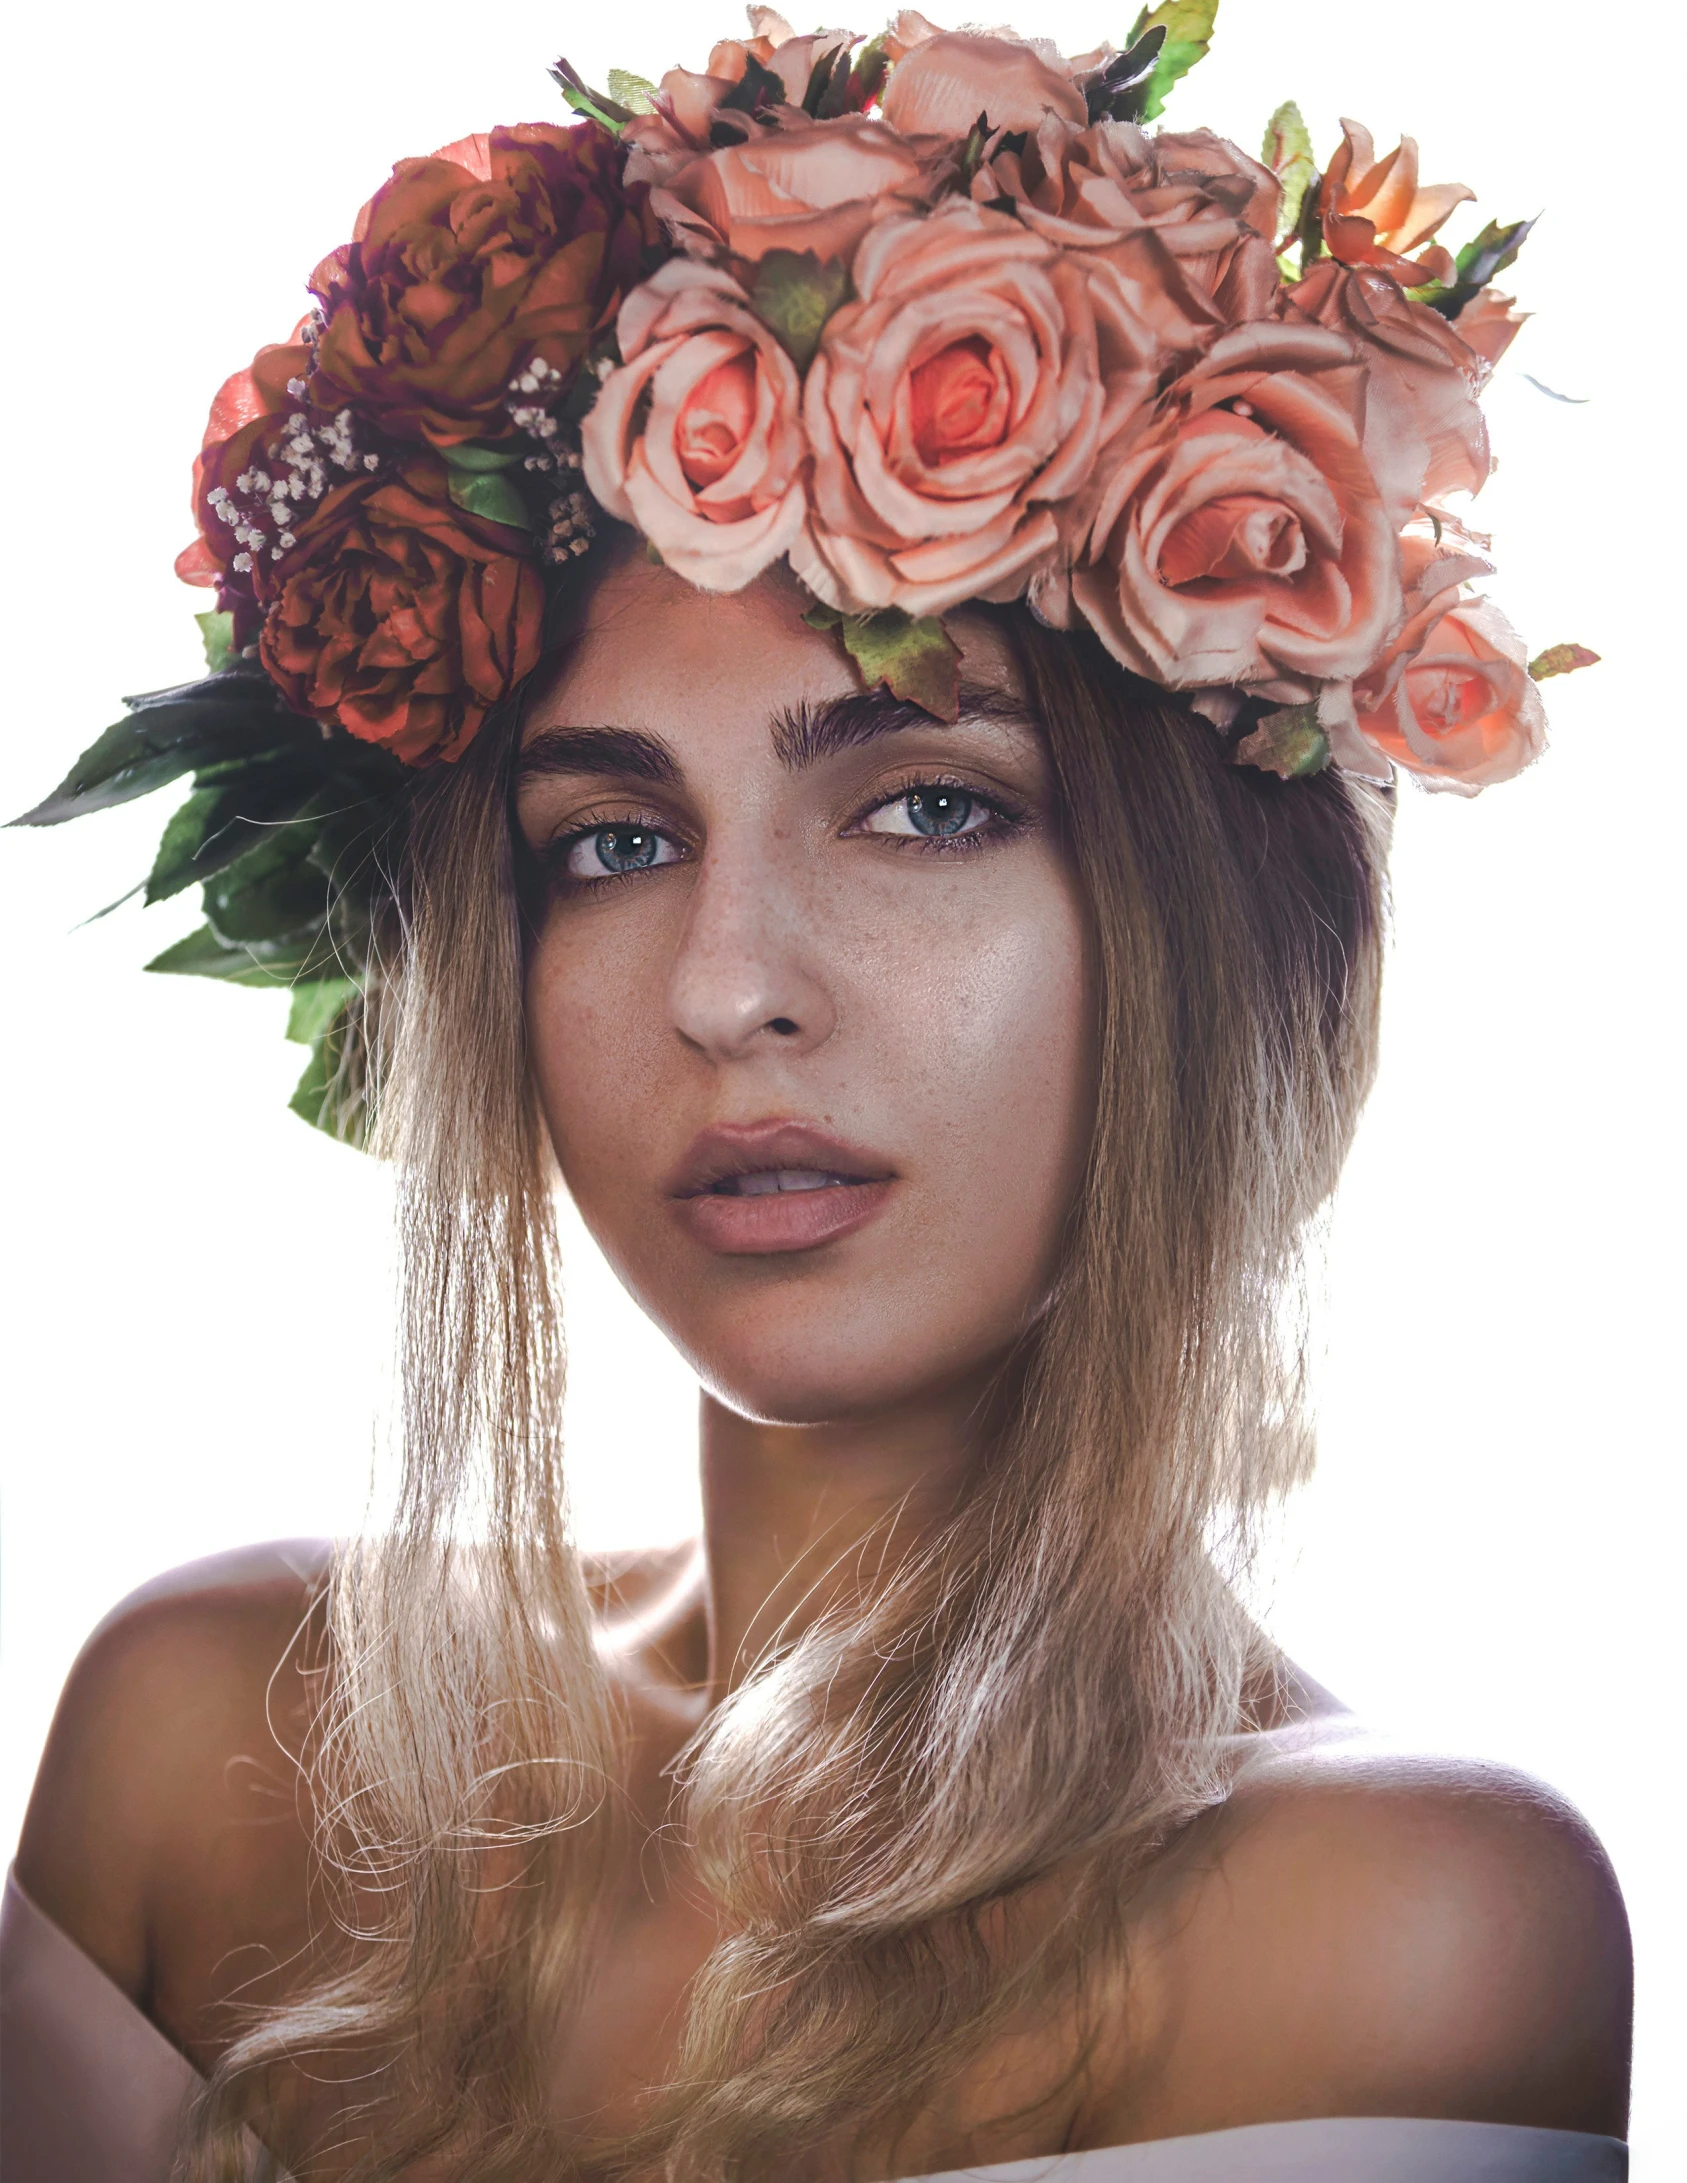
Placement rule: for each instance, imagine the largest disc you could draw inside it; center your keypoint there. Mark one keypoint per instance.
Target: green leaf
(867, 77)
(1561, 659)
(1188, 25)
(1478, 262)
(632, 92)
(472, 458)
(221, 821)
(489, 494)
(916, 659)
(794, 295)
(217, 632)
(1120, 91)
(203, 955)
(331, 1094)
(315, 1006)
(1289, 743)
(169, 733)
(827, 94)
(606, 112)
(1287, 151)
(271, 893)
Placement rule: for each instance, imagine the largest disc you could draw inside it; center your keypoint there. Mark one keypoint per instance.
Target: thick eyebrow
(598, 750)
(804, 735)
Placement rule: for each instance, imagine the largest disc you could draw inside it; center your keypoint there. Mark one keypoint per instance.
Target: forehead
(654, 653)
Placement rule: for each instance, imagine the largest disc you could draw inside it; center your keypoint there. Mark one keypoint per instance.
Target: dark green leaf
(469, 457)
(217, 631)
(1188, 27)
(491, 495)
(169, 733)
(867, 77)
(222, 822)
(827, 95)
(794, 295)
(203, 955)
(1120, 91)
(1481, 259)
(272, 892)
(915, 659)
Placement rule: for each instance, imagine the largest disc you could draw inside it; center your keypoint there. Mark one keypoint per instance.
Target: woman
(947, 1032)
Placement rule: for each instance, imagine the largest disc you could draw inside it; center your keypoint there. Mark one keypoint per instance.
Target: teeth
(769, 1180)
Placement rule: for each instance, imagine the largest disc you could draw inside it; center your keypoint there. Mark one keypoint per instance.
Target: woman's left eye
(612, 852)
(932, 811)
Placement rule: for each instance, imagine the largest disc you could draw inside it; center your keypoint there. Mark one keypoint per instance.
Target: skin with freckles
(798, 953)
(809, 1007)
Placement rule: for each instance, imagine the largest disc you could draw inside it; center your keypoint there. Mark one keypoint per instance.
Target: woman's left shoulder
(1365, 1930)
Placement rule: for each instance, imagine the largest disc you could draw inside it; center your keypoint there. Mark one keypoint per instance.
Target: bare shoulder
(167, 1790)
(1366, 1931)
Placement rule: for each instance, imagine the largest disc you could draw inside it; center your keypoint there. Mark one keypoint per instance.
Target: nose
(748, 975)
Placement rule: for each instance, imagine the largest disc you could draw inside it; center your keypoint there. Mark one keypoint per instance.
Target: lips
(757, 1187)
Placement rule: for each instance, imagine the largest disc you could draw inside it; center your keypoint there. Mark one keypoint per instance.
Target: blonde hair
(1036, 1698)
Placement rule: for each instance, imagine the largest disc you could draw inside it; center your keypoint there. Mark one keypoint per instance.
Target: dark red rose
(400, 617)
(465, 268)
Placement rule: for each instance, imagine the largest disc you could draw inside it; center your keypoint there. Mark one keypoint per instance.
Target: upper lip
(753, 1148)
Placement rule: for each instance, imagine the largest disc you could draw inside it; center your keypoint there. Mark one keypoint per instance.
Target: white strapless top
(92, 2092)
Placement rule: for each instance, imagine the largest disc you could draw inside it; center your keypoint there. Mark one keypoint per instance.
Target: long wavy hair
(1025, 1709)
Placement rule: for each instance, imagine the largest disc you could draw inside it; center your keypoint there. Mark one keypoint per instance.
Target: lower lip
(782, 1220)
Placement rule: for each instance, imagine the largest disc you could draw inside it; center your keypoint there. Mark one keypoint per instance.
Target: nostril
(783, 1025)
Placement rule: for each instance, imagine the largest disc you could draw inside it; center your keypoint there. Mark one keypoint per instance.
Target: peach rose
(816, 185)
(947, 80)
(1461, 710)
(1191, 217)
(697, 437)
(1375, 212)
(1490, 323)
(946, 410)
(1240, 539)
(1424, 433)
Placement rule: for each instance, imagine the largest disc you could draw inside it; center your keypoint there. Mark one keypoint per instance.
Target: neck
(798, 1519)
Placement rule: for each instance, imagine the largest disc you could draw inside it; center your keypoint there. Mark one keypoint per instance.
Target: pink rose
(1490, 323)
(1424, 433)
(1375, 213)
(947, 80)
(697, 437)
(816, 185)
(947, 409)
(1240, 540)
(1190, 216)
(1461, 710)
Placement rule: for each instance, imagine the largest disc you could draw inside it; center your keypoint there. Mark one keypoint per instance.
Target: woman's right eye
(615, 852)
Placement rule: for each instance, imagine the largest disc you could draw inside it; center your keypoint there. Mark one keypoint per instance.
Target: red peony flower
(466, 267)
(400, 617)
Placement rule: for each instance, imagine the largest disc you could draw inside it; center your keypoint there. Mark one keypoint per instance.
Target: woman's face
(808, 1004)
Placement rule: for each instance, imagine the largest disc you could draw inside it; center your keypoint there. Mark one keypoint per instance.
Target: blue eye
(608, 852)
(934, 810)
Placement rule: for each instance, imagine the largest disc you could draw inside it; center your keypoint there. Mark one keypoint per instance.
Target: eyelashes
(926, 813)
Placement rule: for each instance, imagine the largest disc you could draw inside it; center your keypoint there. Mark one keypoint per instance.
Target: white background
(196, 1297)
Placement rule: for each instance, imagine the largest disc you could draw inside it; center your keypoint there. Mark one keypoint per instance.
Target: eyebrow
(803, 735)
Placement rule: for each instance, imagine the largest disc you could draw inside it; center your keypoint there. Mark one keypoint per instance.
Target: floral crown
(932, 318)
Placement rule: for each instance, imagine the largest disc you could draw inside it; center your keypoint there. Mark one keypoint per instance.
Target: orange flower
(1374, 211)
(1453, 702)
(942, 85)
(400, 617)
(815, 185)
(1239, 540)
(467, 267)
(1490, 323)
(697, 438)
(947, 410)
(1425, 436)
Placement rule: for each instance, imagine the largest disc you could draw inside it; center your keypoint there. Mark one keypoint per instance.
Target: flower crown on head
(932, 318)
